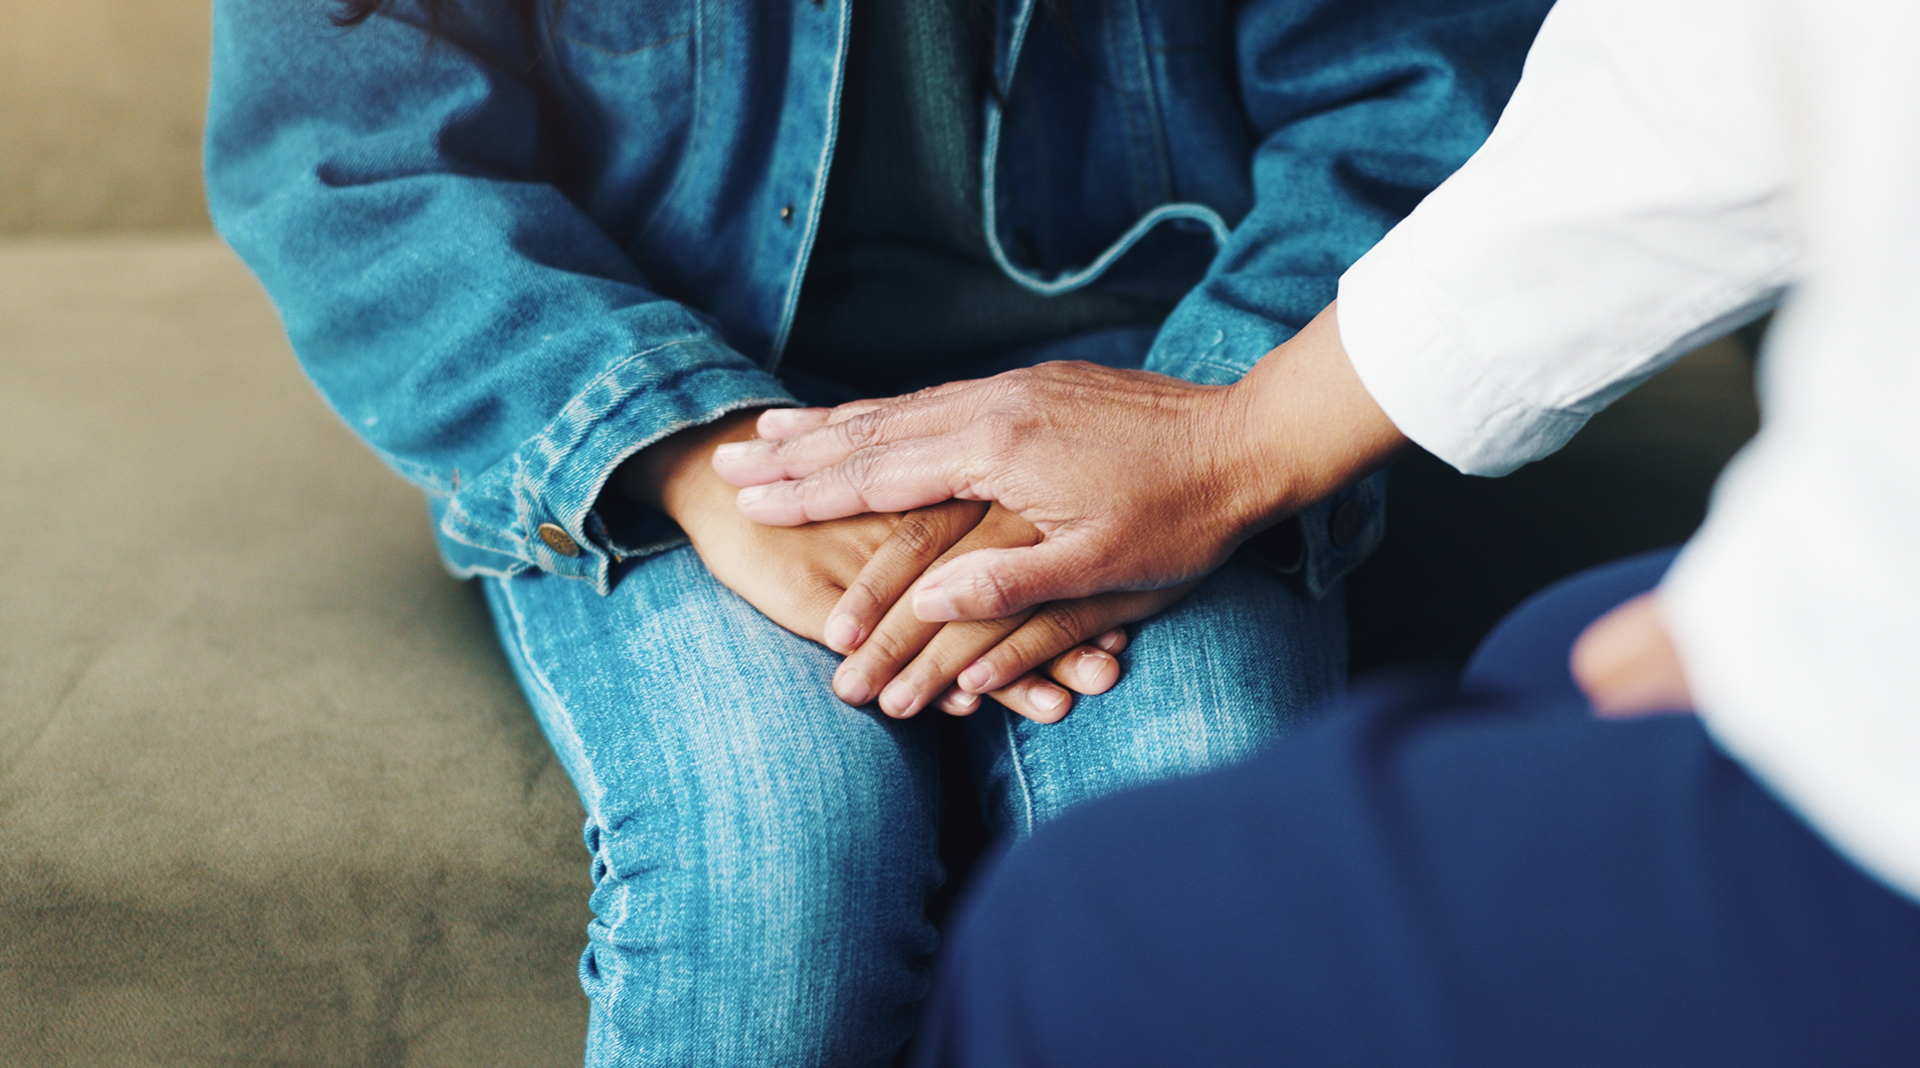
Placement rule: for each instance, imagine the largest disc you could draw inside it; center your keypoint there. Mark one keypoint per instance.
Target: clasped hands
(1128, 480)
(841, 582)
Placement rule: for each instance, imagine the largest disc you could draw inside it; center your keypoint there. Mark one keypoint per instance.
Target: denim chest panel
(1121, 150)
(704, 129)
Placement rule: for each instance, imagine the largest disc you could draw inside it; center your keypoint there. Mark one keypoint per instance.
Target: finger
(912, 474)
(1036, 699)
(943, 391)
(957, 702)
(776, 423)
(908, 662)
(831, 437)
(990, 583)
(931, 671)
(1065, 625)
(917, 541)
(1084, 669)
(871, 672)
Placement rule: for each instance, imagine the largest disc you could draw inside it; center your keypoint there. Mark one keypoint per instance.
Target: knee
(745, 891)
(1245, 638)
(734, 845)
(1209, 682)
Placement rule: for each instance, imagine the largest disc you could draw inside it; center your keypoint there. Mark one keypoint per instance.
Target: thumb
(995, 583)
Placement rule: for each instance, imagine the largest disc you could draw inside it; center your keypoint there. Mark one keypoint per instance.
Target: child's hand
(909, 664)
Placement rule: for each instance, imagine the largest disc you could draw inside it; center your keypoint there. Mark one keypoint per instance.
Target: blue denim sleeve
(1361, 108)
(394, 193)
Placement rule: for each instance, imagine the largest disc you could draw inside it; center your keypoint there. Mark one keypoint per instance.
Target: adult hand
(796, 575)
(1626, 662)
(1135, 481)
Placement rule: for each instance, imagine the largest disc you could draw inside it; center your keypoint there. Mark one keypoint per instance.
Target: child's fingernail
(852, 687)
(976, 678)
(963, 702)
(896, 699)
(843, 633)
(1090, 666)
(1112, 640)
(1049, 698)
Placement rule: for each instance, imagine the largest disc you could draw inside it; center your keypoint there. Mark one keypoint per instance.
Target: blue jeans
(762, 854)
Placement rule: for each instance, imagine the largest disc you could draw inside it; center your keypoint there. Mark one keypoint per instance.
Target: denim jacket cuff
(535, 509)
(1210, 341)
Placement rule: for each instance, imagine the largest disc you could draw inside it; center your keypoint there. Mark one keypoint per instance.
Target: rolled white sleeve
(1630, 204)
(1665, 168)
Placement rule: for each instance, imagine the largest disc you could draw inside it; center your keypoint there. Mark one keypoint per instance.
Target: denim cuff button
(558, 540)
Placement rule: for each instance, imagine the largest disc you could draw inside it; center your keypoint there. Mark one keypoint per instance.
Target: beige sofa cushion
(268, 793)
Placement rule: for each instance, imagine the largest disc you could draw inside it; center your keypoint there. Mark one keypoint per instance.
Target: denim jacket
(512, 256)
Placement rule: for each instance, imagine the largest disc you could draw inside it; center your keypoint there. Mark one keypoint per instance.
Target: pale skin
(1131, 481)
(839, 583)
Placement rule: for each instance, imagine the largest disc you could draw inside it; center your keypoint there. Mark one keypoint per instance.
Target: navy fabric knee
(1527, 651)
(1427, 879)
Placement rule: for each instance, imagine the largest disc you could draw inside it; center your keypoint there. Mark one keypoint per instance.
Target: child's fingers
(917, 541)
(1060, 626)
(1035, 698)
(930, 671)
(958, 702)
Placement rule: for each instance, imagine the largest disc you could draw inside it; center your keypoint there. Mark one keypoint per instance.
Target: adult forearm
(1135, 480)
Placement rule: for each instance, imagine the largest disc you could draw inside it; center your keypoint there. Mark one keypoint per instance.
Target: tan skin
(861, 565)
(1132, 480)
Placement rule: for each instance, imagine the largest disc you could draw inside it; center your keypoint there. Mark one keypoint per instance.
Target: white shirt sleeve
(1666, 167)
(1629, 205)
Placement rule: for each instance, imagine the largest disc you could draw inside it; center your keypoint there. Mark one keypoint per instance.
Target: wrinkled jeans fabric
(762, 854)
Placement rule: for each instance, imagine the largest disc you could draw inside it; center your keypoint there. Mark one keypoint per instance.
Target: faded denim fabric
(510, 258)
(762, 853)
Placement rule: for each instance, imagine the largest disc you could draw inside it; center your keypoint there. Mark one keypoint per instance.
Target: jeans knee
(786, 912)
(1207, 683)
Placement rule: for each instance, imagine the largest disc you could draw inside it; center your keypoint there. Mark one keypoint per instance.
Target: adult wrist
(1302, 426)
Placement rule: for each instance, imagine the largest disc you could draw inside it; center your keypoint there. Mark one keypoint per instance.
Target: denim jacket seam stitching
(551, 696)
(817, 204)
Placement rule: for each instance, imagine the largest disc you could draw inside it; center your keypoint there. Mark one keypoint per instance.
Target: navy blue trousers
(1477, 875)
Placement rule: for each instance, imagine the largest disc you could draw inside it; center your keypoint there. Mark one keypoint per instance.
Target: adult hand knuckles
(863, 431)
(860, 469)
(997, 435)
